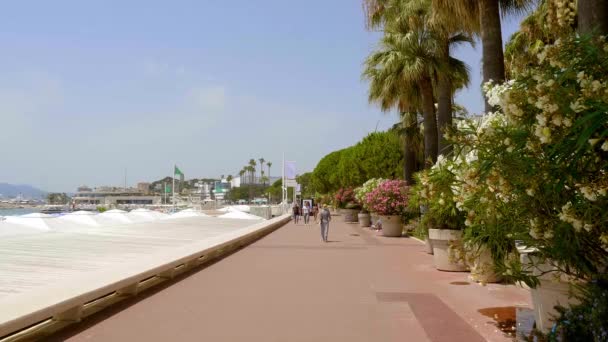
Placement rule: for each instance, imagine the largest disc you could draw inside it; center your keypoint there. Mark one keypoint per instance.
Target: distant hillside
(26, 191)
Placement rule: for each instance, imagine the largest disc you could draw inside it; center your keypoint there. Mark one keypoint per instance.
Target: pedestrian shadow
(332, 241)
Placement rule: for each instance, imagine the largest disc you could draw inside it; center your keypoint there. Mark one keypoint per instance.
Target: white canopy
(80, 217)
(186, 213)
(8, 229)
(145, 215)
(34, 220)
(240, 215)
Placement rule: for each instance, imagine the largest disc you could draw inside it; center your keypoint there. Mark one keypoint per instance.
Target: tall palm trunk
(491, 39)
(430, 122)
(592, 16)
(409, 146)
(444, 101)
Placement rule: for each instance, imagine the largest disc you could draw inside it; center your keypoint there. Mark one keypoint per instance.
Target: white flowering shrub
(434, 191)
(536, 169)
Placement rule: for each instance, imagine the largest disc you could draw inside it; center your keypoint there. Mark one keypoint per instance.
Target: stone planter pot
(553, 290)
(391, 225)
(350, 215)
(482, 270)
(441, 239)
(428, 245)
(374, 218)
(365, 219)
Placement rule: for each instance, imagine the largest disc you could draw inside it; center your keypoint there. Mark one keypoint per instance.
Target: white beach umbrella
(240, 215)
(34, 220)
(147, 213)
(81, 217)
(113, 217)
(8, 229)
(186, 213)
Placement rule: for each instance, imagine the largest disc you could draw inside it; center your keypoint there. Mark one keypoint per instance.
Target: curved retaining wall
(68, 302)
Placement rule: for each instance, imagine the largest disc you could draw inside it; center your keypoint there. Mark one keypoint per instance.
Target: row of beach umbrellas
(37, 222)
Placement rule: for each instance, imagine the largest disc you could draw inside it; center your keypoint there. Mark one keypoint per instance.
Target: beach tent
(11, 229)
(80, 217)
(240, 215)
(33, 220)
(112, 217)
(186, 213)
(145, 215)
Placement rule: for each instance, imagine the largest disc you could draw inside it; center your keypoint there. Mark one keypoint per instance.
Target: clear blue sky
(89, 88)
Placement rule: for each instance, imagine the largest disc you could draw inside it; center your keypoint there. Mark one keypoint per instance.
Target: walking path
(290, 286)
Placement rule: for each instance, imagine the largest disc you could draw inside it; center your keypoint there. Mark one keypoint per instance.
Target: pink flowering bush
(389, 198)
(345, 199)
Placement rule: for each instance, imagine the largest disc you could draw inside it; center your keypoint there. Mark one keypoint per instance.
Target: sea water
(17, 211)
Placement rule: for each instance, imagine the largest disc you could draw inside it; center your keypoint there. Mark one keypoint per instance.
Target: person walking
(325, 218)
(315, 211)
(306, 212)
(296, 212)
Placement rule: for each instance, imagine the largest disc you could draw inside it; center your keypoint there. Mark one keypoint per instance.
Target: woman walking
(296, 213)
(315, 211)
(306, 212)
(325, 218)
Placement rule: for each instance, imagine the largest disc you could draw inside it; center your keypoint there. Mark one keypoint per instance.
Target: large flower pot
(374, 218)
(365, 219)
(428, 245)
(482, 270)
(552, 291)
(441, 240)
(391, 225)
(350, 215)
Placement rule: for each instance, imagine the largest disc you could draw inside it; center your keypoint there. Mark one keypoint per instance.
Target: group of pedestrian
(322, 216)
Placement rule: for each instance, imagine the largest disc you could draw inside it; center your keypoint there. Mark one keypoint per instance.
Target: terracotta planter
(350, 215)
(482, 270)
(428, 245)
(365, 219)
(391, 225)
(441, 240)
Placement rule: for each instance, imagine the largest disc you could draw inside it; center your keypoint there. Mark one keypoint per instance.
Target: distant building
(143, 187)
(221, 189)
(112, 196)
(246, 180)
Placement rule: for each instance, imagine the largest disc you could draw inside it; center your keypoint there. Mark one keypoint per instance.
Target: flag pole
(173, 187)
(283, 187)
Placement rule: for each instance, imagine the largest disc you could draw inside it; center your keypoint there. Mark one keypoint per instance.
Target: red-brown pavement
(290, 286)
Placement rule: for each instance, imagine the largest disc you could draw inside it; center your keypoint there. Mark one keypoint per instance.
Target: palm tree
(251, 170)
(410, 52)
(252, 165)
(241, 174)
(269, 164)
(484, 16)
(261, 160)
(454, 74)
(592, 16)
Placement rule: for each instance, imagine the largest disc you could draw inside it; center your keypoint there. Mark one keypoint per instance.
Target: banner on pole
(290, 183)
(290, 170)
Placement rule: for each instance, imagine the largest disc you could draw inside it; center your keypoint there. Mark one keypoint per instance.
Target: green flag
(178, 172)
(167, 188)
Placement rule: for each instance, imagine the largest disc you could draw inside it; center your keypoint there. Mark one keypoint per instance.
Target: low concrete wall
(65, 301)
(261, 211)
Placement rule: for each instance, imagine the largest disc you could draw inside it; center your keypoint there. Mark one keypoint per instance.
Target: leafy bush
(389, 198)
(434, 191)
(345, 199)
(537, 170)
(365, 189)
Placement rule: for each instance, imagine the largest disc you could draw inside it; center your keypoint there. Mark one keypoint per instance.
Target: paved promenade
(290, 286)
